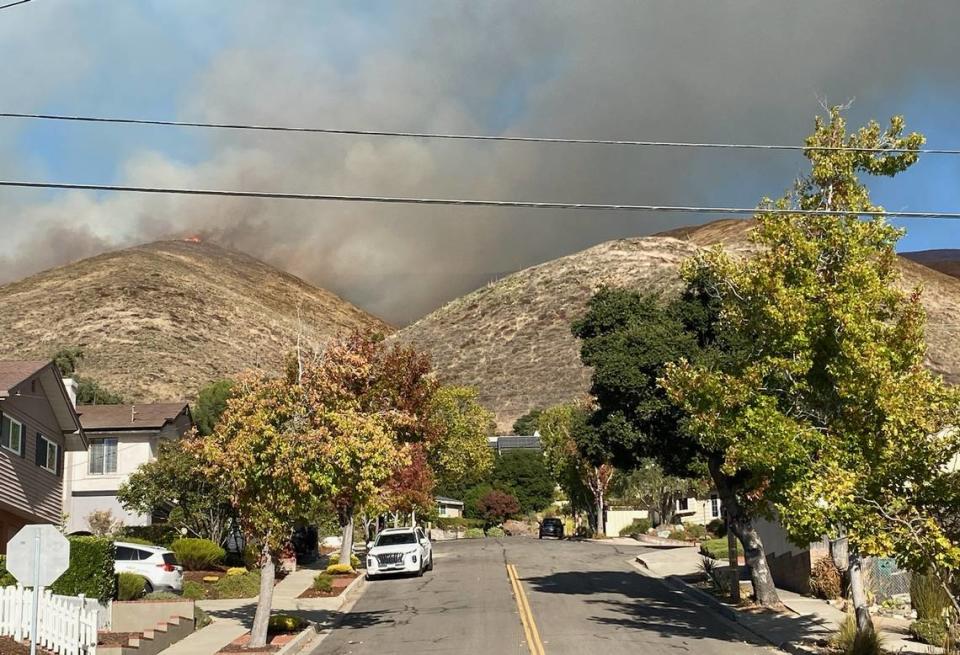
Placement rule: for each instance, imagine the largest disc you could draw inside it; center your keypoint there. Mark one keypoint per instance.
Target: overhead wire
(14, 4)
(468, 137)
(466, 202)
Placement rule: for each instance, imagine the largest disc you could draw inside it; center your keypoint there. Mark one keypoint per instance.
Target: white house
(121, 438)
(449, 507)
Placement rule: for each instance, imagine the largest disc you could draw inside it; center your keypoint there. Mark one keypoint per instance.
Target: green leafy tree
(211, 402)
(275, 466)
(629, 339)
(459, 453)
(578, 463)
(834, 406)
(178, 485)
(524, 474)
(528, 423)
(648, 486)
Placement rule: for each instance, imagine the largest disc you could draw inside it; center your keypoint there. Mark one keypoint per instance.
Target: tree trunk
(346, 535)
(261, 620)
(733, 560)
(742, 525)
(858, 594)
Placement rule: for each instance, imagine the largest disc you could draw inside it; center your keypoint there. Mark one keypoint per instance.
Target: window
(715, 506)
(683, 504)
(11, 435)
(103, 456)
(125, 554)
(48, 453)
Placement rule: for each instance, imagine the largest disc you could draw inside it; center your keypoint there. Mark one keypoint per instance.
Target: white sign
(38, 555)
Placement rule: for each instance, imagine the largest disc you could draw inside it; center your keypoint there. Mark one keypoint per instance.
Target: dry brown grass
(512, 340)
(160, 320)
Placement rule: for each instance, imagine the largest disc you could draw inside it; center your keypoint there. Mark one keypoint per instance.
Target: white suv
(158, 565)
(399, 550)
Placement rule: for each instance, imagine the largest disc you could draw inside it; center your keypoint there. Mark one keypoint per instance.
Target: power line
(14, 4)
(463, 202)
(469, 137)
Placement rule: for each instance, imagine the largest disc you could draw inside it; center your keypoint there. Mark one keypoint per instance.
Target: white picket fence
(66, 625)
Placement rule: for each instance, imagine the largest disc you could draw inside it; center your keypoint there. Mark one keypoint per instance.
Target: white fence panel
(66, 625)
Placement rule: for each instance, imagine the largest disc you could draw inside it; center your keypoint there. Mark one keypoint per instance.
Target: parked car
(158, 565)
(551, 527)
(399, 550)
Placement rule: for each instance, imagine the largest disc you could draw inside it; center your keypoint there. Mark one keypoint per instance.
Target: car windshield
(551, 521)
(396, 539)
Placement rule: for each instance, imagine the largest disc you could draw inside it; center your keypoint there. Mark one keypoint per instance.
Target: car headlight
(371, 562)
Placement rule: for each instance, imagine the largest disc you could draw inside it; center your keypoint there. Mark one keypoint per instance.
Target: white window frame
(715, 510)
(50, 446)
(20, 433)
(103, 463)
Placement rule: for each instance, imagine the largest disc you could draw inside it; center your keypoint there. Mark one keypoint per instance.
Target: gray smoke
(703, 70)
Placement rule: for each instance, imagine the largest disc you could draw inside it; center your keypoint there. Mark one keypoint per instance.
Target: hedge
(6, 578)
(130, 586)
(246, 585)
(91, 570)
(158, 534)
(473, 533)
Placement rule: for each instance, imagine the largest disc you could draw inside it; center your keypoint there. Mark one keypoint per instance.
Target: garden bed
(246, 585)
(340, 582)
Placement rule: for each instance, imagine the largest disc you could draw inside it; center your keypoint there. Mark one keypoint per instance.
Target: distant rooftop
(515, 442)
(148, 416)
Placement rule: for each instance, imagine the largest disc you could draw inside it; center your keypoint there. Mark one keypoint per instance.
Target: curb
(296, 644)
(351, 594)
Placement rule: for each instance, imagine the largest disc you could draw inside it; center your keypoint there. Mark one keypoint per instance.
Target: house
(699, 511)
(38, 424)
(507, 442)
(449, 507)
(121, 438)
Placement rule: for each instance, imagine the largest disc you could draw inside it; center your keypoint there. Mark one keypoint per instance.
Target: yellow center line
(526, 615)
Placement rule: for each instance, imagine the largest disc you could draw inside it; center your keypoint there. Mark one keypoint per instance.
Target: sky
(698, 70)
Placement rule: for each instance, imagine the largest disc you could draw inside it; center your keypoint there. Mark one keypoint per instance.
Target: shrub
(473, 533)
(715, 575)
(91, 570)
(929, 631)
(237, 570)
(137, 540)
(6, 578)
(323, 582)
(496, 532)
(285, 623)
(696, 531)
(717, 527)
(236, 586)
(848, 642)
(130, 586)
(927, 597)
(334, 557)
(678, 535)
(497, 506)
(197, 554)
(340, 569)
(193, 590)
(825, 579)
(200, 618)
(583, 532)
(639, 526)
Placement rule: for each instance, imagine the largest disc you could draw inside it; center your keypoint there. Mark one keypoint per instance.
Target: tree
(89, 392)
(497, 506)
(648, 486)
(376, 400)
(178, 485)
(629, 339)
(410, 489)
(835, 404)
(527, 424)
(211, 403)
(579, 466)
(275, 467)
(459, 455)
(524, 474)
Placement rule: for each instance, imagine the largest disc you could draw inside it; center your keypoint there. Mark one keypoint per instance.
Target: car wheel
(147, 588)
(430, 564)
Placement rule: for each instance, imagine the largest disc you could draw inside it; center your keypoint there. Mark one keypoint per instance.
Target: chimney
(71, 386)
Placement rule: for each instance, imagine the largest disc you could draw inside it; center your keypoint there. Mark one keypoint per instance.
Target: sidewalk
(809, 620)
(231, 618)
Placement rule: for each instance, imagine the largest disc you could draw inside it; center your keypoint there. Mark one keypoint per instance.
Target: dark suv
(551, 528)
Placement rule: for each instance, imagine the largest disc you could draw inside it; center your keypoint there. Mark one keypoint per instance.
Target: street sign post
(36, 557)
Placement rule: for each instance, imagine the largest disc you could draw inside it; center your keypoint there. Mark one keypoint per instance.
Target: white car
(399, 550)
(158, 565)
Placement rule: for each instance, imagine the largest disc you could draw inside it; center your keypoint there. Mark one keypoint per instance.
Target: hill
(160, 320)
(512, 340)
(945, 261)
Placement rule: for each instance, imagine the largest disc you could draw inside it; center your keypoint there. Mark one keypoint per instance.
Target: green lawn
(718, 548)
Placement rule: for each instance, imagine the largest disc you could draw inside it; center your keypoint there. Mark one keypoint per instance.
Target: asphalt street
(583, 597)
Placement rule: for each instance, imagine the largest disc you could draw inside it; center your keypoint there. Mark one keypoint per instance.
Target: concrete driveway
(579, 597)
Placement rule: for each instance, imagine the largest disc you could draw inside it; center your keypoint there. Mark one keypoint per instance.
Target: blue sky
(724, 70)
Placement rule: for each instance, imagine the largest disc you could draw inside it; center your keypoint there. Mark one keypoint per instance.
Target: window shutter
(41, 451)
(3, 427)
(60, 460)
